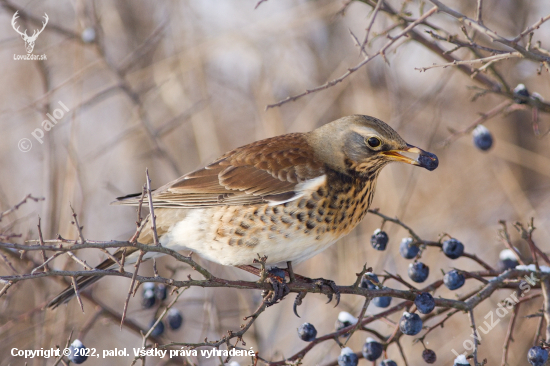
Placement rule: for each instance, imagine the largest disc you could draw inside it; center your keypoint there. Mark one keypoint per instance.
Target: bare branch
(367, 59)
(479, 12)
(130, 290)
(151, 209)
(22, 202)
(77, 293)
(486, 60)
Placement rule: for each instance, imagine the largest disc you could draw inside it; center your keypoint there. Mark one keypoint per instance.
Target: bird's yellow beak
(424, 159)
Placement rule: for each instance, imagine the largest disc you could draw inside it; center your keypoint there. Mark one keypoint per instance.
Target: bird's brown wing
(264, 171)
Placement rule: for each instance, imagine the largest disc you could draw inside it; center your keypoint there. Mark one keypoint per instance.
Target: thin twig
(371, 23)
(531, 29)
(8, 263)
(45, 263)
(78, 227)
(545, 283)
(79, 261)
(136, 268)
(509, 332)
(41, 241)
(151, 209)
(5, 288)
(359, 319)
(77, 293)
(161, 316)
(474, 330)
(505, 238)
(22, 202)
(402, 352)
(488, 32)
(350, 71)
(479, 11)
(488, 60)
(484, 117)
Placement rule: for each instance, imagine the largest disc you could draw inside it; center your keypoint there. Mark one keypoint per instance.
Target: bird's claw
(298, 302)
(280, 288)
(323, 282)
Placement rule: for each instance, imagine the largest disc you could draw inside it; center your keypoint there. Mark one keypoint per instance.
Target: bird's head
(362, 145)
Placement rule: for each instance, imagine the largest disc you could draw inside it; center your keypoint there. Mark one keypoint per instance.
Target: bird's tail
(145, 237)
(83, 282)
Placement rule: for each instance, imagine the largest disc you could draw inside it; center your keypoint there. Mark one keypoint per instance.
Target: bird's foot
(331, 284)
(298, 302)
(276, 278)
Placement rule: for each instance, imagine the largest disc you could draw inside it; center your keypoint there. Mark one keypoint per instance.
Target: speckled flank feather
(293, 231)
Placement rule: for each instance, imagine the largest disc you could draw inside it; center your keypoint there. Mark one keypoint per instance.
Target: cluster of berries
(410, 322)
(157, 293)
(151, 295)
(418, 271)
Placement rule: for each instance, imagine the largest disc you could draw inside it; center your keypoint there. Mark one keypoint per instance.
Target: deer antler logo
(29, 41)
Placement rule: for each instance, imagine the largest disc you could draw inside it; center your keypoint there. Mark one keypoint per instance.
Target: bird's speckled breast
(293, 231)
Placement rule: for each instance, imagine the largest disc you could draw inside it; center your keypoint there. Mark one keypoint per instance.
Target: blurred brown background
(172, 85)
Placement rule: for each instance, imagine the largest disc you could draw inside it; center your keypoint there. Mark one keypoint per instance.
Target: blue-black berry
(410, 323)
(537, 356)
(158, 330)
(345, 319)
(369, 285)
(424, 302)
(382, 301)
(379, 240)
(483, 139)
(453, 248)
(161, 291)
(429, 356)
(174, 319)
(418, 272)
(407, 249)
(77, 352)
(148, 298)
(307, 332)
(521, 91)
(372, 350)
(388, 363)
(454, 279)
(507, 260)
(461, 361)
(347, 358)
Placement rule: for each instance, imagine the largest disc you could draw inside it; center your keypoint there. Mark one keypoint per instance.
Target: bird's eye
(373, 142)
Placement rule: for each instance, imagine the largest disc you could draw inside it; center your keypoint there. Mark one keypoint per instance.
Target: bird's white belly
(197, 233)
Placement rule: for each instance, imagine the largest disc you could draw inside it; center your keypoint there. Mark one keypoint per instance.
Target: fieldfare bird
(287, 197)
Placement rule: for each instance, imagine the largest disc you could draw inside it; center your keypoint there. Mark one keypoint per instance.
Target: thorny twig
(22, 202)
(130, 290)
(151, 210)
(466, 303)
(366, 60)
